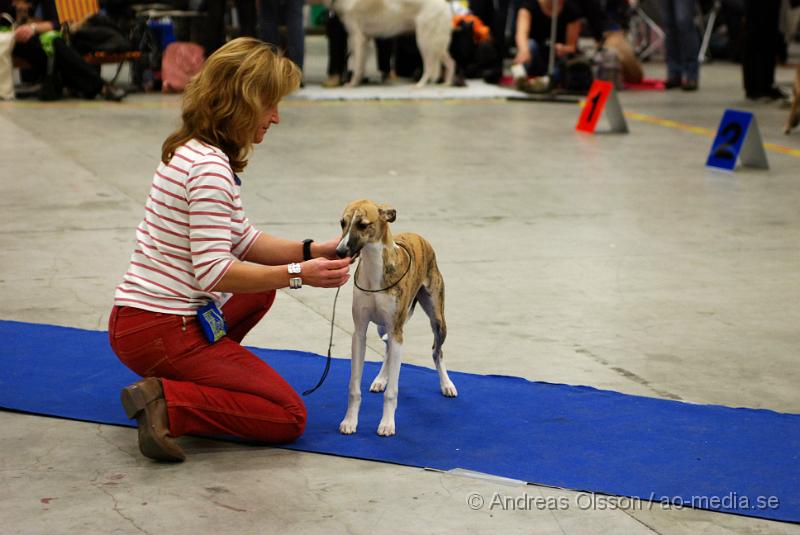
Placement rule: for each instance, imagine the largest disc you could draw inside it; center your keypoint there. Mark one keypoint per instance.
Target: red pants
(210, 389)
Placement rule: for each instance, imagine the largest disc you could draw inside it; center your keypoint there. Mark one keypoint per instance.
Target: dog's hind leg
(379, 384)
(359, 348)
(794, 113)
(432, 301)
(434, 30)
(433, 34)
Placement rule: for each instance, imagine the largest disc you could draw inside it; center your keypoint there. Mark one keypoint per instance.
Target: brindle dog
(393, 275)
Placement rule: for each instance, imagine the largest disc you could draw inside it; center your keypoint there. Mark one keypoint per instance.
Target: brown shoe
(334, 80)
(144, 401)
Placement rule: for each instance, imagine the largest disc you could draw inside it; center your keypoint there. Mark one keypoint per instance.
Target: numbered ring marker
(737, 137)
(602, 97)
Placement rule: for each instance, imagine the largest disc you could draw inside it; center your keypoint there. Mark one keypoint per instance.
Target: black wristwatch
(307, 249)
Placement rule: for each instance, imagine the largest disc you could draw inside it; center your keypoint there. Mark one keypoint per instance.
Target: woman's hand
(324, 273)
(326, 249)
(24, 33)
(564, 50)
(523, 56)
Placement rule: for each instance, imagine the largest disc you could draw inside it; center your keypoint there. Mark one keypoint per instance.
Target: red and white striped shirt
(194, 228)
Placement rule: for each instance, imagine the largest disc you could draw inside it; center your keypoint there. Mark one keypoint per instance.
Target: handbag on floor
(181, 61)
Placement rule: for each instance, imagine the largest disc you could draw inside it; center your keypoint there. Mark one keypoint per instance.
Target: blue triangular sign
(737, 137)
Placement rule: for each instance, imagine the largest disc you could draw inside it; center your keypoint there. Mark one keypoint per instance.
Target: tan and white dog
(394, 273)
(794, 112)
(430, 19)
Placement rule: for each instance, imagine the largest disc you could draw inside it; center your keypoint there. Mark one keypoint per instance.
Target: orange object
(595, 102)
(75, 11)
(480, 31)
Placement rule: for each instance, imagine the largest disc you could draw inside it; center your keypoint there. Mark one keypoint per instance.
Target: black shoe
(777, 93)
(672, 83)
(113, 93)
(689, 85)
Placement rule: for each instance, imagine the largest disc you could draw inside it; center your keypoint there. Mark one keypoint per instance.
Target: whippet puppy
(393, 275)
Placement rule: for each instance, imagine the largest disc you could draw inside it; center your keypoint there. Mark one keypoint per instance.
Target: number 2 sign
(737, 137)
(602, 96)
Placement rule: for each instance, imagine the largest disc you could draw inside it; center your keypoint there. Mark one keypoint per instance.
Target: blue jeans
(683, 39)
(268, 17)
(540, 55)
(536, 66)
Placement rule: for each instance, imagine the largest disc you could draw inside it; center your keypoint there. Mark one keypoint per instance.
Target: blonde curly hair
(225, 101)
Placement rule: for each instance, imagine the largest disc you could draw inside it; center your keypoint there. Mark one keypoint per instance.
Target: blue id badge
(212, 321)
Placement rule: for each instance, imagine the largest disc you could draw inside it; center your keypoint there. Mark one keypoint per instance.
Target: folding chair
(646, 35)
(713, 13)
(74, 12)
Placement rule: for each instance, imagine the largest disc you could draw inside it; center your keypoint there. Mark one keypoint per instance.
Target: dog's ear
(387, 213)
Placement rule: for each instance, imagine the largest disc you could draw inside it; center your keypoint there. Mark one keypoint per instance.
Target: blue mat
(707, 456)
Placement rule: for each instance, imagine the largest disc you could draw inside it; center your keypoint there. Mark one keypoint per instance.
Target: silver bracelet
(295, 283)
(294, 268)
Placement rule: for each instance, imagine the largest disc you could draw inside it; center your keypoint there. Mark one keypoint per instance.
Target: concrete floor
(616, 261)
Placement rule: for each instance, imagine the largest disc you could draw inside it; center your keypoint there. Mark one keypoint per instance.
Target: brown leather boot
(144, 400)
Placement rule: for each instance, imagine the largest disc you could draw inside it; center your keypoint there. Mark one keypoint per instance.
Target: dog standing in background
(430, 19)
(393, 275)
(794, 113)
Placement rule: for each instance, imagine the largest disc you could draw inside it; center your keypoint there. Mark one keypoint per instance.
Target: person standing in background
(270, 13)
(683, 44)
(337, 50)
(761, 49)
(215, 22)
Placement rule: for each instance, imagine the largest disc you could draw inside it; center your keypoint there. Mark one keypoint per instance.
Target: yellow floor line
(644, 118)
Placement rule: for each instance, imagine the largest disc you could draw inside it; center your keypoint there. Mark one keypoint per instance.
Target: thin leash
(330, 345)
(333, 315)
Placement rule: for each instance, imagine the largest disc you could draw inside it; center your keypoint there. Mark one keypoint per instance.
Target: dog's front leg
(358, 45)
(379, 384)
(392, 364)
(359, 347)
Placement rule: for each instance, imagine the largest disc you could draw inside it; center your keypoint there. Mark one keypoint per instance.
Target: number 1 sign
(737, 137)
(602, 96)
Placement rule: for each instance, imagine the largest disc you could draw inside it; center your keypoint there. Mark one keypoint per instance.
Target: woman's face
(270, 117)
